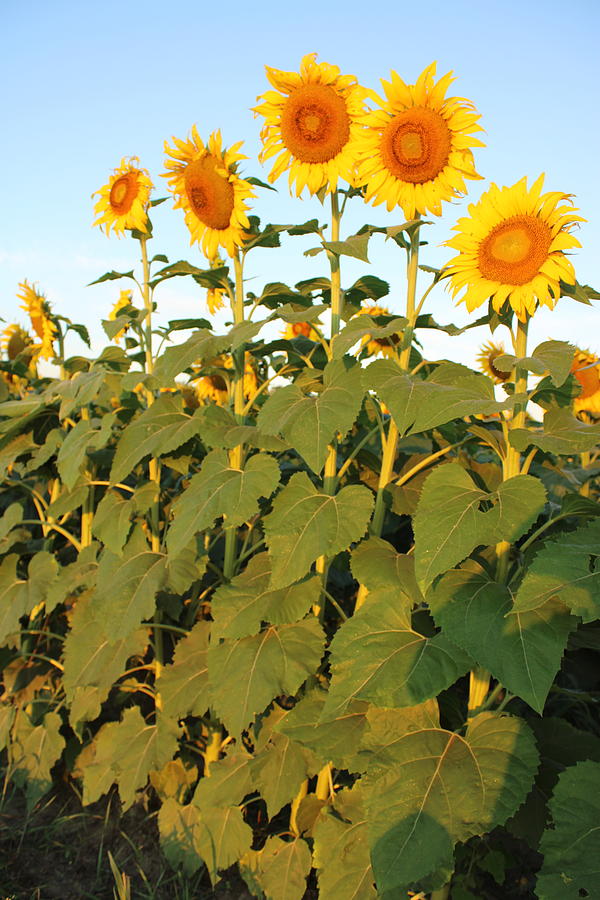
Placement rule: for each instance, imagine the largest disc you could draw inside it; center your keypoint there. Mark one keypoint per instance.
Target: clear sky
(86, 83)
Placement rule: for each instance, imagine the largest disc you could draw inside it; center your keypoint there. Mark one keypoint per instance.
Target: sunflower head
(123, 201)
(14, 340)
(511, 248)
(217, 386)
(586, 369)
(215, 296)
(38, 308)
(125, 299)
(312, 123)
(488, 354)
(300, 329)
(415, 150)
(204, 181)
(386, 346)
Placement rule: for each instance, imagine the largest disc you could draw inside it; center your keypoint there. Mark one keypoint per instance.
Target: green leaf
(568, 569)
(523, 650)
(125, 594)
(229, 782)
(18, 596)
(247, 674)
(367, 287)
(361, 326)
(278, 771)
(160, 429)
(379, 567)
(449, 523)
(239, 608)
(310, 423)
(332, 741)
(451, 391)
(438, 788)
(179, 827)
(34, 751)
(72, 456)
(112, 276)
(283, 868)
(562, 433)
(112, 521)
(356, 246)
(306, 524)
(184, 324)
(377, 656)
(92, 662)
(341, 850)
(73, 578)
(557, 357)
(126, 752)
(220, 490)
(223, 839)
(572, 847)
(199, 346)
(184, 568)
(183, 684)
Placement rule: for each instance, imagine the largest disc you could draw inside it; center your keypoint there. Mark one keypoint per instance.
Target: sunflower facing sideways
(204, 180)
(38, 308)
(14, 340)
(312, 124)
(300, 329)
(415, 151)
(125, 299)
(586, 369)
(487, 357)
(216, 386)
(124, 199)
(511, 248)
(386, 346)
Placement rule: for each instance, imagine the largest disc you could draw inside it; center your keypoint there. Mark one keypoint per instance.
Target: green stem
(153, 465)
(236, 454)
(441, 893)
(391, 442)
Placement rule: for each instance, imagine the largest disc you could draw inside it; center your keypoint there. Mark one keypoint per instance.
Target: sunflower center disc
(209, 194)
(514, 250)
(315, 124)
(416, 144)
(122, 193)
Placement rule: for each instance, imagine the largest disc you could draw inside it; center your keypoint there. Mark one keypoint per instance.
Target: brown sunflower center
(416, 144)
(315, 124)
(217, 382)
(514, 250)
(301, 328)
(123, 192)
(209, 193)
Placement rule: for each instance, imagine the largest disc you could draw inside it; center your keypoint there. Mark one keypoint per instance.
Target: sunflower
(124, 200)
(312, 124)
(415, 151)
(217, 386)
(205, 183)
(386, 346)
(300, 329)
(511, 248)
(215, 296)
(15, 340)
(125, 299)
(488, 354)
(586, 369)
(38, 308)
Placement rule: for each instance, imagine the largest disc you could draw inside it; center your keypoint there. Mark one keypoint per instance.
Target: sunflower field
(324, 609)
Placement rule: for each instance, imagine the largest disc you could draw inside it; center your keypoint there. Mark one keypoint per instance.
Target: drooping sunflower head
(218, 384)
(512, 246)
(488, 355)
(312, 123)
(204, 180)
(215, 296)
(14, 340)
(386, 346)
(300, 329)
(415, 150)
(586, 369)
(123, 201)
(125, 299)
(38, 308)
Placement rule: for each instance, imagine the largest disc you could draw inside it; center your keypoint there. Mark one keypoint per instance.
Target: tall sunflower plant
(330, 604)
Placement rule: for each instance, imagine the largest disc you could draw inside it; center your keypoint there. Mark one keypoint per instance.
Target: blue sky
(93, 82)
